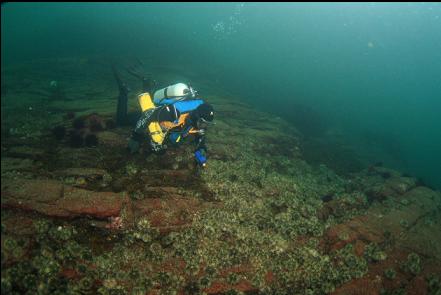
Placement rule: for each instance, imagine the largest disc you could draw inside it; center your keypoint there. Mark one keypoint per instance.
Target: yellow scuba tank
(146, 103)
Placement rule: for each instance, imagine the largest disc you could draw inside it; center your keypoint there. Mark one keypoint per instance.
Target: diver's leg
(135, 142)
(148, 85)
(121, 109)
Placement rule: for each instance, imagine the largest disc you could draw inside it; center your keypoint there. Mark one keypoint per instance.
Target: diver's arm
(116, 75)
(201, 149)
(145, 119)
(200, 141)
(139, 133)
(134, 142)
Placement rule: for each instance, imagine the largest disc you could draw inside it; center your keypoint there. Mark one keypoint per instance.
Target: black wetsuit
(121, 108)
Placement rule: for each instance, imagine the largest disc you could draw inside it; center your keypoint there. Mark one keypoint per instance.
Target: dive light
(200, 158)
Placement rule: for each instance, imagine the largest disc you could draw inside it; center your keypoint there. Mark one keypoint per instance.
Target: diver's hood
(204, 113)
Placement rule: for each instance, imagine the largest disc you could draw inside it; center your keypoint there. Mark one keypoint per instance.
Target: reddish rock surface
(362, 286)
(95, 123)
(112, 139)
(19, 225)
(421, 202)
(17, 164)
(167, 214)
(70, 274)
(340, 207)
(355, 229)
(416, 236)
(52, 198)
(84, 172)
(417, 286)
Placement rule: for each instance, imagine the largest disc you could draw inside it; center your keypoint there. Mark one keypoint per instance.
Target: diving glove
(200, 158)
(158, 148)
(133, 146)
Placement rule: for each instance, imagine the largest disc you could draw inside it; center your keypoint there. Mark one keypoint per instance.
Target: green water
(368, 75)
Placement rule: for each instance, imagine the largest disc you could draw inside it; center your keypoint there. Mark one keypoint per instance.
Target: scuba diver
(169, 116)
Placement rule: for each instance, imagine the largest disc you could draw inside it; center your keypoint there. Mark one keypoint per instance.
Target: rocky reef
(260, 219)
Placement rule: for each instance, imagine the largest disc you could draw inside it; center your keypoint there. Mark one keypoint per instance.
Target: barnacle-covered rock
(373, 252)
(412, 264)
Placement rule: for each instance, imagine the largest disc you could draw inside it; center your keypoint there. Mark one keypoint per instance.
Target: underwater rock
(359, 248)
(95, 123)
(79, 202)
(182, 175)
(69, 115)
(120, 184)
(168, 214)
(76, 139)
(52, 198)
(90, 140)
(15, 164)
(221, 153)
(424, 218)
(59, 132)
(365, 286)
(392, 187)
(86, 129)
(26, 152)
(158, 191)
(112, 139)
(21, 191)
(340, 235)
(378, 169)
(400, 185)
(70, 274)
(115, 223)
(380, 183)
(417, 285)
(18, 224)
(90, 173)
(79, 123)
(421, 203)
(326, 198)
(14, 250)
(110, 124)
(340, 207)
(82, 177)
(5, 132)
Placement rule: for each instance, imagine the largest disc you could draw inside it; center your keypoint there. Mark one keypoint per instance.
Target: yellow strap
(192, 131)
(182, 119)
(170, 125)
